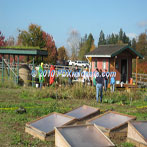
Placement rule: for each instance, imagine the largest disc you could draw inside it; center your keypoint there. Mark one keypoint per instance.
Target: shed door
(124, 70)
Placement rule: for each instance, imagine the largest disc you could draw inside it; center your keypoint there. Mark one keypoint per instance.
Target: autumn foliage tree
(2, 42)
(32, 37)
(36, 37)
(62, 54)
(51, 48)
(141, 45)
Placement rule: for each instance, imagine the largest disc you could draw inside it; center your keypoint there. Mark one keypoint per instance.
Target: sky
(60, 17)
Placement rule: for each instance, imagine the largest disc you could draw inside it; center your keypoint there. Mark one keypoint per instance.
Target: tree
(102, 40)
(120, 34)
(92, 46)
(120, 38)
(133, 43)
(32, 37)
(10, 41)
(141, 45)
(73, 42)
(86, 46)
(2, 42)
(51, 48)
(62, 54)
(90, 42)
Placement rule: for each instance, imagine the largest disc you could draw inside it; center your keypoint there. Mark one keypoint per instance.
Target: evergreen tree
(133, 43)
(126, 39)
(102, 40)
(89, 41)
(121, 34)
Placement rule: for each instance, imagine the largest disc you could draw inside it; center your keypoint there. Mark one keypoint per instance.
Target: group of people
(101, 82)
(41, 77)
(85, 77)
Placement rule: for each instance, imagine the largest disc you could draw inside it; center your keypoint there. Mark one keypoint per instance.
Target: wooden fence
(141, 78)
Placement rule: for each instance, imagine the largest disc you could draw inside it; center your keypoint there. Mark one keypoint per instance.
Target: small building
(116, 58)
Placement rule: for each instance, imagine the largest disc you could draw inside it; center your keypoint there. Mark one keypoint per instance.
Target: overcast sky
(59, 17)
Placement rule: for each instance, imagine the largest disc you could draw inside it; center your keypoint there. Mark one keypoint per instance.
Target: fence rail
(141, 78)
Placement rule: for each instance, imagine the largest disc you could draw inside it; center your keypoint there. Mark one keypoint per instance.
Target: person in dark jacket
(99, 86)
(105, 81)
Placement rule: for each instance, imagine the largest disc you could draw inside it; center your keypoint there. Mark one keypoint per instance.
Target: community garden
(59, 98)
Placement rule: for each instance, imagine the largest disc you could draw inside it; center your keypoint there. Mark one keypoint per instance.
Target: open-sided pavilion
(19, 52)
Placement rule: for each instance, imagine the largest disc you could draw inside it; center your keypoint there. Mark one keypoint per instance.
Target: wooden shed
(83, 113)
(137, 133)
(43, 127)
(113, 124)
(81, 136)
(116, 58)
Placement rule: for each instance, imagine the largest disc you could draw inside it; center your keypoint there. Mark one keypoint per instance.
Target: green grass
(41, 102)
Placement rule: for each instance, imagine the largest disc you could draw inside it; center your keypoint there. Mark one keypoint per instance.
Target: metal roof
(23, 52)
(112, 50)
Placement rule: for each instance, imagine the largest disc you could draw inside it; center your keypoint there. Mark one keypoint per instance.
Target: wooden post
(8, 66)
(127, 81)
(136, 68)
(32, 76)
(17, 69)
(28, 59)
(2, 68)
(114, 63)
(14, 78)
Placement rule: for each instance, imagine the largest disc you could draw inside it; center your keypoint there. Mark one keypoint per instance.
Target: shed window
(116, 65)
(95, 64)
(104, 64)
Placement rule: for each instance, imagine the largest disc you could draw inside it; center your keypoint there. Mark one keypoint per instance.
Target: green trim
(21, 47)
(122, 49)
(24, 52)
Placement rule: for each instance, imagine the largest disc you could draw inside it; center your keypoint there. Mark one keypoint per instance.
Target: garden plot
(44, 126)
(113, 124)
(137, 133)
(83, 112)
(81, 136)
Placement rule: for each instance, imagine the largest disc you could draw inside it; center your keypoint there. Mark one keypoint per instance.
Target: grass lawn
(41, 102)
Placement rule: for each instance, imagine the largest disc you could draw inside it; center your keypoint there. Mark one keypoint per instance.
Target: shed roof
(23, 52)
(112, 50)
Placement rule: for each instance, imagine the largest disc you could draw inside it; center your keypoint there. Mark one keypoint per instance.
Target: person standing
(40, 73)
(112, 83)
(94, 77)
(105, 81)
(99, 86)
(70, 78)
(52, 74)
